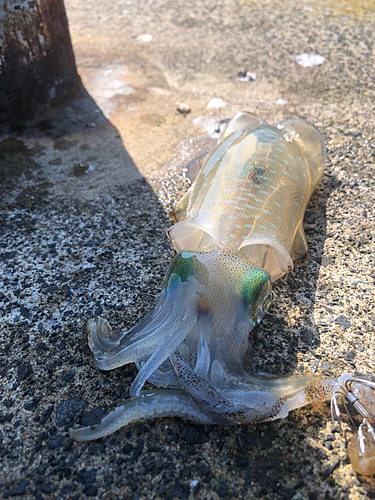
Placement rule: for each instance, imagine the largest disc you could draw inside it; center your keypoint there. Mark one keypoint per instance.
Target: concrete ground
(84, 191)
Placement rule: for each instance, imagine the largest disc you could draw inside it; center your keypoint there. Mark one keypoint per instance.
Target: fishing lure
(239, 227)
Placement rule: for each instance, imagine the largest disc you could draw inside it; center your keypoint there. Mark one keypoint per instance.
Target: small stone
(246, 76)
(194, 486)
(350, 356)
(183, 108)
(242, 462)
(7, 255)
(330, 468)
(138, 450)
(361, 347)
(343, 321)
(25, 312)
(94, 417)
(325, 366)
(203, 467)
(222, 489)
(67, 375)
(310, 217)
(55, 442)
(290, 492)
(16, 443)
(307, 335)
(90, 490)
(46, 414)
(180, 490)
(249, 474)
(241, 443)
(187, 471)
(192, 436)
(298, 496)
(20, 489)
(46, 488)
(30, 405)
(314, 366)
(161, 490)
(127, 448)
(330, 437)
(68, 410)
(24, 371)
(87, 476)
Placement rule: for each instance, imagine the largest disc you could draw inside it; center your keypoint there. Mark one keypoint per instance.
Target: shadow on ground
(72, 151)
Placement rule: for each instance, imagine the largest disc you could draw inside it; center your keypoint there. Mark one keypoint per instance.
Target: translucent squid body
(239, 227)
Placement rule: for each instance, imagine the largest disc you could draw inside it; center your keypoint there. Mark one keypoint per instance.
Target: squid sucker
(239, 227)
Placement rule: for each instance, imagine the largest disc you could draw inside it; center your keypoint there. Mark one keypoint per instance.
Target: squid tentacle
(139, 343)
(113, 350)
(166, 349)
(150, 404)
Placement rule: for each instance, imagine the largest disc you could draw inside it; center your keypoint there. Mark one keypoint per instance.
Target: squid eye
(267, 302)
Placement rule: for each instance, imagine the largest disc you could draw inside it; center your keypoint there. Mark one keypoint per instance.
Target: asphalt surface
(84, 190)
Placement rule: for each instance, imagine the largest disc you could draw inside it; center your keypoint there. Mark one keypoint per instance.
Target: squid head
(207, 298)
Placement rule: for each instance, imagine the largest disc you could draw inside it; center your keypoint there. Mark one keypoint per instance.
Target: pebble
(343, 321)
(138, 450)
(46, 414)
(246, 76)
(242, 443)
(183, 108)
(93, 417)
(180, 490)
(20, 490)
(90, 490)
(67, 375)
(68, 410)
(327, 471)
(24, 371)
(192, 436)
(194, 486)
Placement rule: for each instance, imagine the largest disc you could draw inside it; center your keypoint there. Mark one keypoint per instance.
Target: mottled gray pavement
(82, 233)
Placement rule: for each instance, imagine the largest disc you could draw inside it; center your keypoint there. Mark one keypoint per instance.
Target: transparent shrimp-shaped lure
(239, 227)
(359, 394)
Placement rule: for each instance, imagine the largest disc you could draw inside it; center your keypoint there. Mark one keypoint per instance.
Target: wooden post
(37, 67)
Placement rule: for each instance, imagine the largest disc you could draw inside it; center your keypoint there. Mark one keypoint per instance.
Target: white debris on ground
(309, 60)
(281, 101)
(209, 124)
(145, 38)
(216, 103)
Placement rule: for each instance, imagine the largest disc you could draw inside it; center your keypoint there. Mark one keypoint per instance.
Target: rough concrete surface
(83, 233)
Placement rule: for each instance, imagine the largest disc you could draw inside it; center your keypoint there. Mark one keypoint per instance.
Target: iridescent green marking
(252, 284)
(186, 265)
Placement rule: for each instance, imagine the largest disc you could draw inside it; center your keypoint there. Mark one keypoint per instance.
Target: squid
(238, 228)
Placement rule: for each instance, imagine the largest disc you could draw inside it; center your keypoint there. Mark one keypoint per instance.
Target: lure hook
(344, 393)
